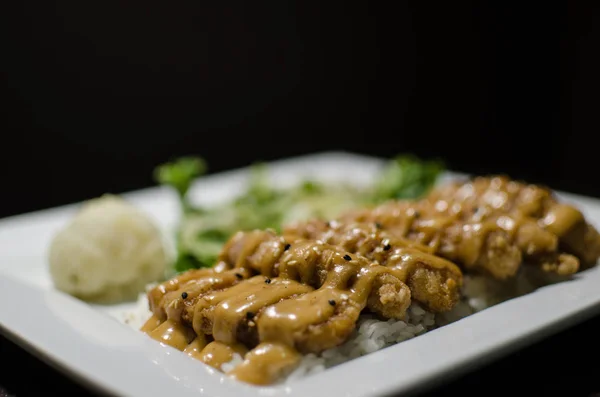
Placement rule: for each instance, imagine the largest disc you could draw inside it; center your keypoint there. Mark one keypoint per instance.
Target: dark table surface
(564, 364)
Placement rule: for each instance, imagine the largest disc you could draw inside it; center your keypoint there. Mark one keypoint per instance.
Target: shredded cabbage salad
(203, 231)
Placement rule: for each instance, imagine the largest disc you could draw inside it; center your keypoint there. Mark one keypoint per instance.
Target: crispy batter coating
(433, 281)
(308, 290)
(492, 225)
(548, 232)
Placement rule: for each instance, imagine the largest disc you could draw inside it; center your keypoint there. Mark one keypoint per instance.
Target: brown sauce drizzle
(402, 256)
(266, 363)
(490, 224)
(150, 324)
(561, 218)
(173, 334)
(239, 311)
(277, 314)
(176, 302)
(195, 348)
(216, 353)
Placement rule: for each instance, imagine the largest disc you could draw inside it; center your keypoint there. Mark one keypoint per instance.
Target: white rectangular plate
(89, 344)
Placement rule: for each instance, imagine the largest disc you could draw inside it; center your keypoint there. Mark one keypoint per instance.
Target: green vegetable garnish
(203, 231)
(406, 177)
(186, 261)
(180, 174)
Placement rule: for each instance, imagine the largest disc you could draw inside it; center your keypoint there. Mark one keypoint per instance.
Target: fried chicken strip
(326, 317)
(480, 231)
(158, 293)
(310, 262)
(534, 206)
(229, 315)
(469, 244)
(310, 300)
(287, 311)
(302, 264)
(265, 253)
(433, 281)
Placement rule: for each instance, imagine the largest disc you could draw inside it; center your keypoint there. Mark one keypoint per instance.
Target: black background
(95, 94)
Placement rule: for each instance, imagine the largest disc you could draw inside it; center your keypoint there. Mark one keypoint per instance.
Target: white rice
(136, 316)
(235, 361)
(371, 334)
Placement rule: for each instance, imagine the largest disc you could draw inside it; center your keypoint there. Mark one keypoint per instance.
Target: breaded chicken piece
(314, 322)
(462, 229)
(228, 314)
(433, 281)
(156, 294)
(542, 220)
(287, 311)
(308, 263)
(446, 233)
(311, 262)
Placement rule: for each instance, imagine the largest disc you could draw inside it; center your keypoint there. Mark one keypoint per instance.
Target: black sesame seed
(287, 247)
(249, 315)
(347, 257)
(331, 302)
(378, 225)
(268, 281)
(184, 295)
(239, 276)
(387, 247)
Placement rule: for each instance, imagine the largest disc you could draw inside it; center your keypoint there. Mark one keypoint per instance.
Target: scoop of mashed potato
(109, 252)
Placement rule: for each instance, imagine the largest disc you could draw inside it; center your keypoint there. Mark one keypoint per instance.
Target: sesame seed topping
(331, 302)
(268, 281)
(347, 257)
(184, 295)
(239, 276)
(378, 225)
(287, 247)
(249, 315)
(387, 247)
